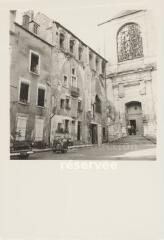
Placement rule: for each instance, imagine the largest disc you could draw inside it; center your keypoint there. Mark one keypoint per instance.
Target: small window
(91, 59)
(79, 106)
(61, 40)
(67, 103)
(67, 126)
(41, 97)
(74, 82)
(74, 78)
(65, 81)
(24, 91)
(72, 43)
(34, 63)
(60, 128)
(98, 104)
(62, 103)
(73, 71)
(103, 67)
(97, 63)
(80, 53)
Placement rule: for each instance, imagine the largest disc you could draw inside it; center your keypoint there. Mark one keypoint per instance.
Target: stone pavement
(128, 148)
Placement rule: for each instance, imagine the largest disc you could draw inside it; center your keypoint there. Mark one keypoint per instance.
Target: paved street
(129, 148)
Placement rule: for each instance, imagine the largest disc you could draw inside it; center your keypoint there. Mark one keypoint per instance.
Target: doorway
(133, 126)
(79, 131)
(134, 116)
(94, 133)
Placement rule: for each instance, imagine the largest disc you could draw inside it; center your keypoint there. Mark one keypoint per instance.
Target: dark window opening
(24, 92)
(91, 60)
(79, 106)
(41, 97)
(65, 81)
(67, 106)
(80, 53)
(34, 63)
(98, 104)
(62, 103)
(103, 67)
(61, 40)
(72, 42)
(59, 128)
(66, 126)
(73, 71)
(97, 63)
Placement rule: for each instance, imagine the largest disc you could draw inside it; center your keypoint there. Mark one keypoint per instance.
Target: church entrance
(134, 117)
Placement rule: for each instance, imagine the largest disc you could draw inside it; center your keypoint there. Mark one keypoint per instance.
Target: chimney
(27, 17)
(12, 20)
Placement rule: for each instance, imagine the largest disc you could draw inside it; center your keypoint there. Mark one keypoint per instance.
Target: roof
(122, 14)
(79, 40)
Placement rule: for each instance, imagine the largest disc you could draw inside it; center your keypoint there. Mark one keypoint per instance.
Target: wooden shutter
(39, 123)
(21, 128)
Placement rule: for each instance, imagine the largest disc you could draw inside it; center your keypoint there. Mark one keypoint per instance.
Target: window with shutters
(21, 128)
(39, 124)
(41, 97)
(129, 42)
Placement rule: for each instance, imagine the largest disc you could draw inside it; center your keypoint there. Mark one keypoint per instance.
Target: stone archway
(134, 116)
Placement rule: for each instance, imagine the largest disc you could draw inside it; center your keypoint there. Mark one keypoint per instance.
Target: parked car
(20, 149)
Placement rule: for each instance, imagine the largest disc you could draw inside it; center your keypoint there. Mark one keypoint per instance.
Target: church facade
(130, 39)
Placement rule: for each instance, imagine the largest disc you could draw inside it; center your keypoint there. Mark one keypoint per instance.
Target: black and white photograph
(83, 91)
(82, 113)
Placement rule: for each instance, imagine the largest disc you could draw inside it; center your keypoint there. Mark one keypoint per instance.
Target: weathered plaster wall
(22, 42)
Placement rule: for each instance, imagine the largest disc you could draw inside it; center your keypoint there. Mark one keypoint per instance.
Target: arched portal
(134, 116)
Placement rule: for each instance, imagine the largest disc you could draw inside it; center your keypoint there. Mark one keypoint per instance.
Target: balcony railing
(75, 91)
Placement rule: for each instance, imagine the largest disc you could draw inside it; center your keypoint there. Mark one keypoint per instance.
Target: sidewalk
(37, 150)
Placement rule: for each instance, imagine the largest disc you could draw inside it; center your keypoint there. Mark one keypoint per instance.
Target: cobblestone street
(129, 148)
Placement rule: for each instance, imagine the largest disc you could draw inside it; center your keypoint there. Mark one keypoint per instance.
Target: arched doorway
(134, 116)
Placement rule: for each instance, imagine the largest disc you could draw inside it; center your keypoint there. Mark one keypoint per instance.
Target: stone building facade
(57, 83)
(130, 39)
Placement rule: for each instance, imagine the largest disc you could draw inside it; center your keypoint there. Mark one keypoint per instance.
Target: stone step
(132, 140)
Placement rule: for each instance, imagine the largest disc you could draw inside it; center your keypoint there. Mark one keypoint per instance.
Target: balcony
(75, 91)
